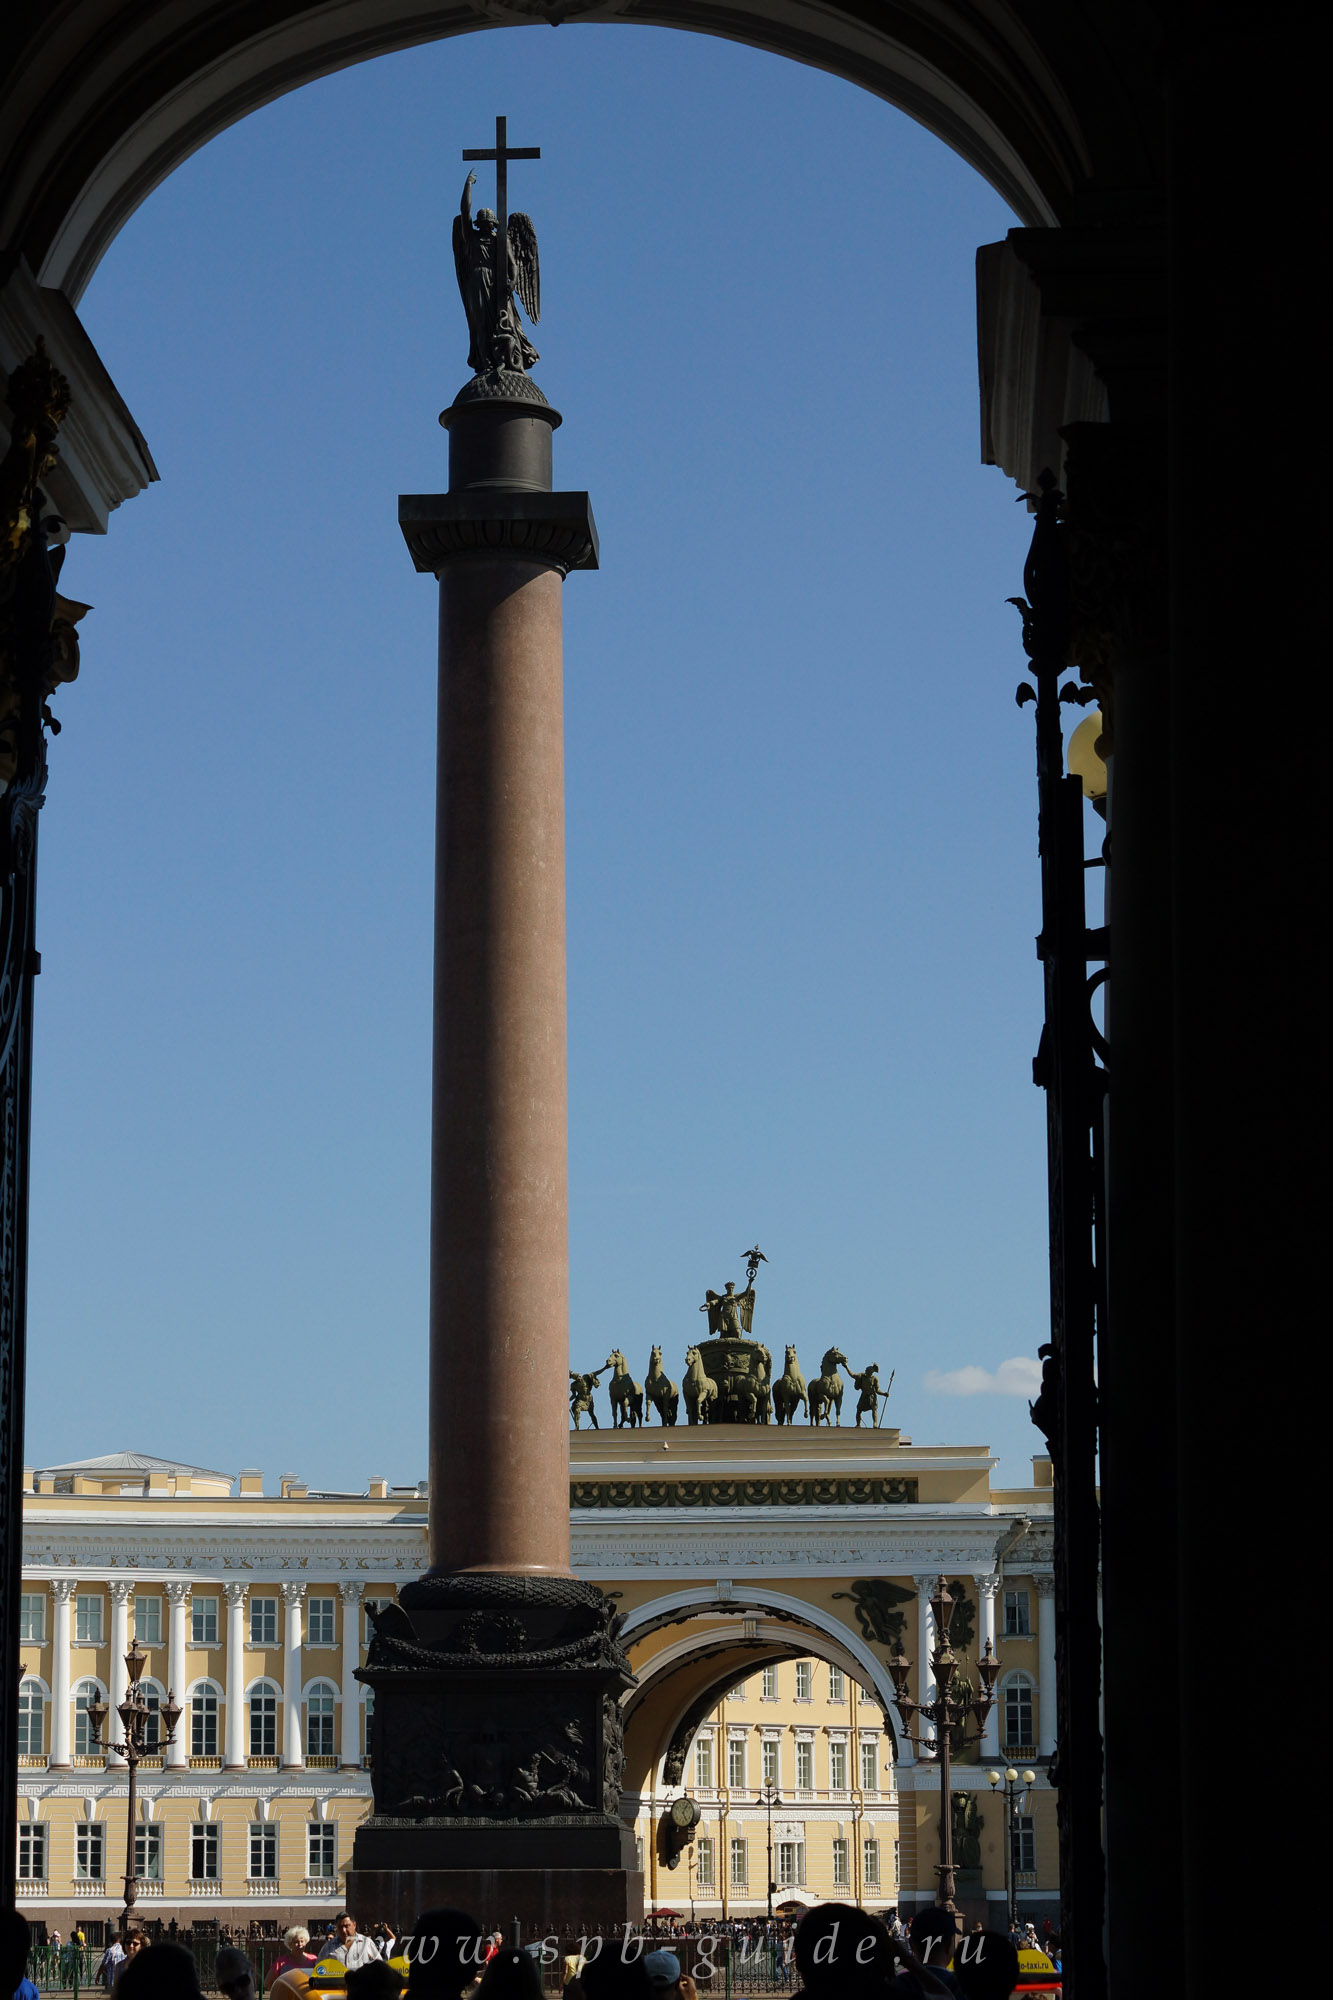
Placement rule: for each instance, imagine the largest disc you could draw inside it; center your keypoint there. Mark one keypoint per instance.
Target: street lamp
(771, 1797)
(949, 1712)
(134, 1713)
(1015, 1809)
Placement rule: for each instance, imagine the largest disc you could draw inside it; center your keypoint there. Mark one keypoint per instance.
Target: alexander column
(497, 1747)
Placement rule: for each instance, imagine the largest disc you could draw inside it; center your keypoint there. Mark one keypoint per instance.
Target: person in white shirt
(352, 1947)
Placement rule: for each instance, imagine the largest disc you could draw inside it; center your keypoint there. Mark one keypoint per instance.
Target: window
(805, 1767)
(148, 1853)
(264, 1720)
(791, 1863)
(319, 1630)
(1018, 1710)
(736, 1762)
(88, 1851)
(88, 1621)
(32, 1618)
(837, 1684)
(638, 1852)
(321, 1849)
(897, 1864)
(740, 1864)
(204, 1621)
(368, 1711)
(32, 1853)
(263, 1621)
(871, 1867)
(837, 1765)
(842, 1868)
(204, 1724)
(1017, 1624)
(85, 1692)
(769, 1690)
(148, 1620)
(152, 1730)
(703, 1762)
(805, 1680)
(738, 1692)
(870, 1763)
(203, 1852)
(264, 1851)
(32, 1718)
(770, 1760)
(703, 1861)
(1025, 1847)
(368, 1604)
(319, 1720)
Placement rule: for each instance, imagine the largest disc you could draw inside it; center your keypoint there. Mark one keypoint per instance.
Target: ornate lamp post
(1015, 1808)
(134, 1713)
(771, 1797)
(949, 1712)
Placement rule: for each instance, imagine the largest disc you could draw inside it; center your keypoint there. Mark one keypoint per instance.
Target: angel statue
(497, 340)
(730, 1313)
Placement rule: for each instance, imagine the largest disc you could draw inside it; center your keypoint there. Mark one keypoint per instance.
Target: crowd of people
(834, 1952)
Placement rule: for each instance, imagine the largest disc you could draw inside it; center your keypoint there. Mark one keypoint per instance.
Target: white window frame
(1017, 1615)
(83, 1692)
(870, 1862)
(201, 1716)
(837, 1764)
(1025, 1846)
(1018, 1691)
(805, 1680)
(738, 1763)
(89, 1619)
(264, 1622)
(789, 1863)
(148, 1619)
(89, 1851)
(148, 1851)
(805, 1765)
(321, 1708)
(32, 1618)
(205, 1851)
(842, 1861)
(768, 1686)
(703, 1862)
(321, 1615)
(263, 1850)
(837, 1685)
(203, 1621)
(739, 1862)
(31, 1862)
(266, 1718)
(321, 1850)
(771, 1760)
(703, 1762)
(32, 1718)
(869, 1754)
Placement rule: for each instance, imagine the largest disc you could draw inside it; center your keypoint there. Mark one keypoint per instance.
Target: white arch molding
(824, 1637)
(147, 91)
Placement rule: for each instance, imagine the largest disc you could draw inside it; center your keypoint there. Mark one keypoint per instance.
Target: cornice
(556, 529)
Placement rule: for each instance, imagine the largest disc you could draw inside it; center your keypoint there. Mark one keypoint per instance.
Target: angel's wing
(745, 1300)
(460, 250)
(528, 278)
(713, 1303)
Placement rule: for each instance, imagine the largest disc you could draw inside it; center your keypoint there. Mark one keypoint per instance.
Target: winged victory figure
(496, 342)
(730, 1313)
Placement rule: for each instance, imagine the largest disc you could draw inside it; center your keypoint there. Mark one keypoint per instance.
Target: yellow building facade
(763, 1575)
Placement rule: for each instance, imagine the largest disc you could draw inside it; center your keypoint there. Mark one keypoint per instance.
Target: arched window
(319, 1719)
(263, 1719)
(1018, 1724)
(152, 1735)
(84, 1746)
(32, 1718)
(204, 1722)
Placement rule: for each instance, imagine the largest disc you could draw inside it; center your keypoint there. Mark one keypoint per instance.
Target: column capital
(926, 1583)
(63, 1588)
(554, 529)
(987, 1585)
(1044, 1586)
(121, 1589)
(235, 1592)
(350, 1592)
(293, 1592)
(178, 1590)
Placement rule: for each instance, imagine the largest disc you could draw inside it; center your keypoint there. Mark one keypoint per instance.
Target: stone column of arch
(1047, 1715)
(925, 1645)
(62, 1595)
(293, 1745)
(235, 1673)
(178, 1597)
(121, 1589)
(987, 1586)
(349, 1721)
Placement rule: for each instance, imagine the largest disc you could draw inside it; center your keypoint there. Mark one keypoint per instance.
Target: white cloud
(1020, 1375)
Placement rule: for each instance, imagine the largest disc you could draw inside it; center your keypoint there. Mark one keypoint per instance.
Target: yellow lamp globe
(1081, 757)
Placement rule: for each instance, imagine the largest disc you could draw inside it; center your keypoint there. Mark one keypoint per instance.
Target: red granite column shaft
(499, 1335)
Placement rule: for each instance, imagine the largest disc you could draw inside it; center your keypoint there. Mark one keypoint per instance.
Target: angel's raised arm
(465, 205)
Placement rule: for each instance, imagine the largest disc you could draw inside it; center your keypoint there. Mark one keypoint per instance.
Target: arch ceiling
(105, 97)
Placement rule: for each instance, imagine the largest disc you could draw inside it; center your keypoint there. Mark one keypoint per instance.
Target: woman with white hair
(296, 1955)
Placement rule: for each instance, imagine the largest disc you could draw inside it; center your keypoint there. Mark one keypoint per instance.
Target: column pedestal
(497, 1748)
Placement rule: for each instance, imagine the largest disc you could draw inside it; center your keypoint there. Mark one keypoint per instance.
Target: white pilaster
(178, 1597)
(925, 1646)
(122, 1589)
(349, 1747)
(987, 1586)
(1047, 1719)
(235, 1736)
(293, 1742)
(62, 1596)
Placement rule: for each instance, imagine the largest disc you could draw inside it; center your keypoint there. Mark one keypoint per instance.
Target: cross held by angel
(495, 332)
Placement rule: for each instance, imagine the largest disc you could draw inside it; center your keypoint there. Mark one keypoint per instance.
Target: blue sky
(801, 814)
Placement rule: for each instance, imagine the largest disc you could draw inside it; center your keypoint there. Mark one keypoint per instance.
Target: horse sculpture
(789, 1394)
(700, 1389)
(626, 1394)
(662, 1393)
(826, 1389)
